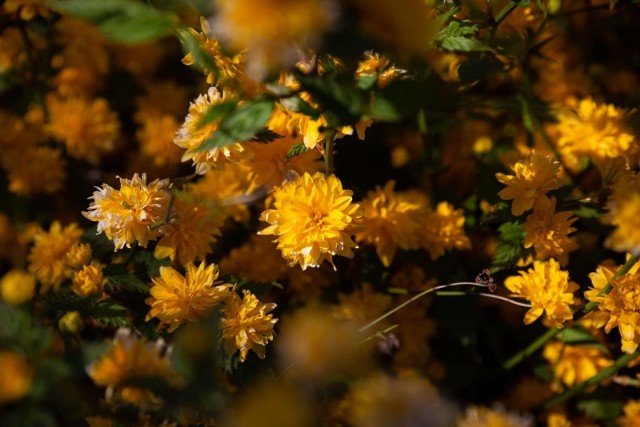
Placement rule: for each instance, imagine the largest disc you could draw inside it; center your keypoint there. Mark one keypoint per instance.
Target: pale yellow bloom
(313, 218)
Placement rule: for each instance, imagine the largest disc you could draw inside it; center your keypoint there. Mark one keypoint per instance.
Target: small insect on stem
(484, 278)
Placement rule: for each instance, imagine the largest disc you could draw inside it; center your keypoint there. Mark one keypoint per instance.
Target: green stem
(552, 333)
(504, 13)
(605, 373)
(328, 154)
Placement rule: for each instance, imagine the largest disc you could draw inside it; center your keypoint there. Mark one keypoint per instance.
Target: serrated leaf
(123, 21)
(126, 283)
(366, 82)
(584, 211)
(109, 312)
(458, 37)
(217, 112)
(240, 125)
(511, 232)
(383, 110)
(296, 150)
(69, 301)
(150, 263)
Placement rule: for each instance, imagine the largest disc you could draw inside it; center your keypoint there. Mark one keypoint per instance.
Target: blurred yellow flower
(46, 259)
(390, 222)
(376, 65)
(17, 287)
(189, 233)
(177, 299)
(443, 230)
(26, 9)
(631, 417)
(533, 177)
(156, 140)
(313, 219)
(89, 280)
(88, 127)
(574, 364)
(548, 231)
(241, 261)
(362, 306)
(17, 376)
(126, 215)
(246, 324)
(191, 136)
(481, 416)
(623, 205)
(35, 170)
(548, 289)
(71, 322)
(620, 307)
(130, 357)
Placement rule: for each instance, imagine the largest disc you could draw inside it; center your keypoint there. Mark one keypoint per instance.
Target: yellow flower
(533, 177)
(620, 307)
(191, 137)
(227, 68)
(314, 219)
(156, 140)
(12, 52)
(46, 259)
(88, 281)
(17, 287)
(376, 65)
(270, 166)
(164, 98)
(362, 306)
(26, 9)
(246, 324)
(389, 222)
(88, 128)
(548, 232)
(593, 130)
(624, 205)
(177, 299)
(241, 261)
(548, 289)
(574, 364)
(189, 234)
(443, 230)
(271, 40)
(225, 190)
(17, 376)
(126, 215)
(131, 358)
(71, 323)
(381, 401)
(481, 416)
(631, 417)
(78, 256)
(34, 170)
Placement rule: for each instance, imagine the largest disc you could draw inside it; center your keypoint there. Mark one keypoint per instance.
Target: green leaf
(150, 263)
(201, 60)
(340, 102)
(511, 232)
(265, 136)
(296, 150)
(584, 211)
(66, 300)
(217, 112)
(295, 103)
(19, 329)
(383, 110)
(603, 403)
(124, 21)
(241, 125)
(510, 247)
(458, 37)
(109, 312)
(126, 283)
(577, 335)
(366, 82)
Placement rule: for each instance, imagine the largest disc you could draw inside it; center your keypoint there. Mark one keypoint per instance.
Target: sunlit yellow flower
(189, 233)
(381, 401)
(46, 259)
(247, 324)
(631, 417)
(481, 416)
(548, 289)
(284, 25)
(376, 65)
(191, 137)
(89, 280)
(35, 170)
(17, 376)
(313, 219)
(78, 256)
(88, 128)
(177, 299)
(624, 205)
(17, 287)
(574, 364)
(620, 307)
(26, 9)
(156, 140)
(389, 222)
(228, 68)
(130, 358)
(548, 232)
(126, 215)
(533, 177)
(226, 190)
(270, 166)
(443, 230)
(596, 131)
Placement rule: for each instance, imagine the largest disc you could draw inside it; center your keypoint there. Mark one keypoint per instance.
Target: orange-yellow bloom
(176, 299)
(246, 324)
(443, 230)
(314, 219)
(533, 177)
(17, 376)
(574, 364)
(89, 280)
(631, 417)
(126, 215)
(624, 208)
(548, 289)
